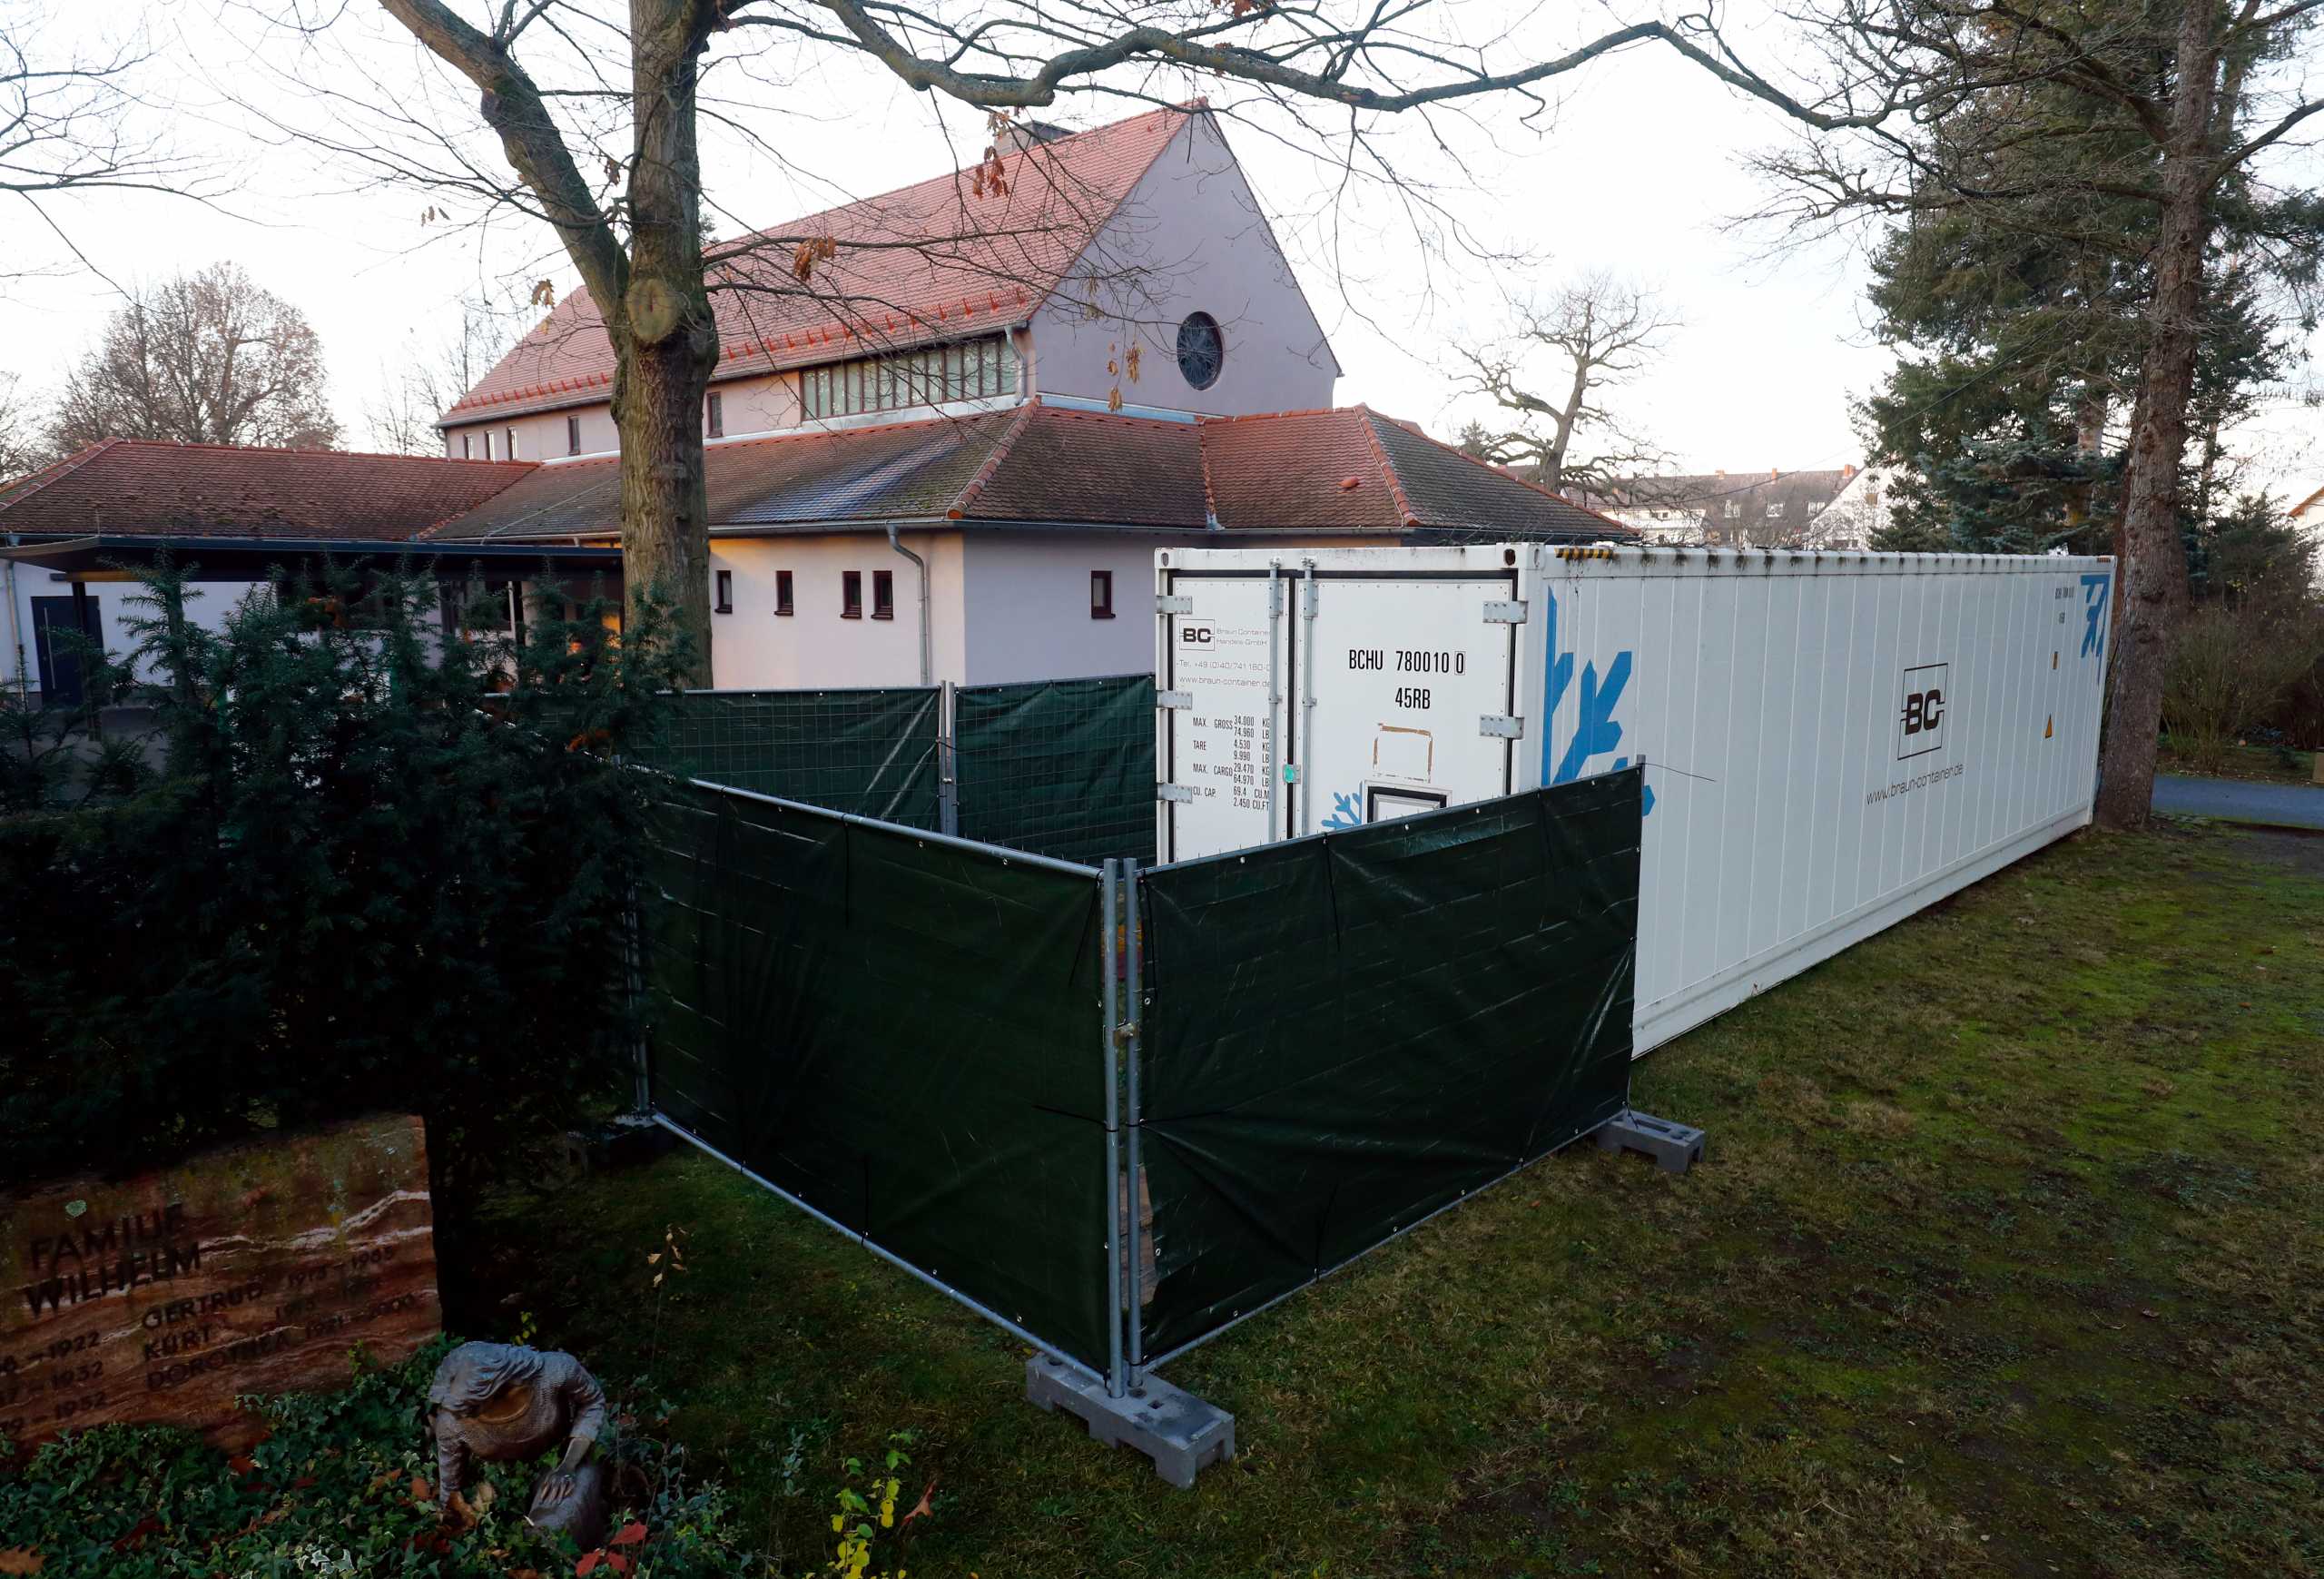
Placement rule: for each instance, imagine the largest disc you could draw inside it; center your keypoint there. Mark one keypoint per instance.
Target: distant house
(944, 446)
(1838, 508)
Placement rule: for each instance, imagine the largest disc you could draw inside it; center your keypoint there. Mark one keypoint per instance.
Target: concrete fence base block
(1674, 1147)
(1178, 1431)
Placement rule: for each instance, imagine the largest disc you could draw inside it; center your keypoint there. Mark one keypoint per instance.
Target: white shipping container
(1832, 741)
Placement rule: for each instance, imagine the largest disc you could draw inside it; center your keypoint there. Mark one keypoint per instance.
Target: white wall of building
(1028, 605)
(207, 603)
(816, 647)
(1190, 237)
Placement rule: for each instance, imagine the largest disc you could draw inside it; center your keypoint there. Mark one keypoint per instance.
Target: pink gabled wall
(1191, 237)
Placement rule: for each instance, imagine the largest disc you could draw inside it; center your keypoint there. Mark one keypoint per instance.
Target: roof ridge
(299, 449)
(1366, 419)
(1187, 111)
(975, 485)
(33, 482)
(1502, 471)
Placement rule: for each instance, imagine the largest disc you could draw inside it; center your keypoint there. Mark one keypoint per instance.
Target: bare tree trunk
(665, 340)
(2153, 571)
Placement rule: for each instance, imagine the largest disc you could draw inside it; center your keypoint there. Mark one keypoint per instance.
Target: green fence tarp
(902, 1033)
(1060, 767)
(871, 753)
(1344, 1034)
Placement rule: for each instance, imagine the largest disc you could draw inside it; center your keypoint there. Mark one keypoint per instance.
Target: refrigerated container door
(1404, 697)
(1222, 647)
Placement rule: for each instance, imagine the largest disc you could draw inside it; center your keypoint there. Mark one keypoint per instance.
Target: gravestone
(256, 1269)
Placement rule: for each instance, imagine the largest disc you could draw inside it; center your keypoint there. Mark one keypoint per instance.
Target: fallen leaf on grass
(21, 1560)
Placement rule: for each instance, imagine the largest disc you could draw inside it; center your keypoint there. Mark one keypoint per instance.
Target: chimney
(1721, 474)
(1848, 471)
(1773, 474)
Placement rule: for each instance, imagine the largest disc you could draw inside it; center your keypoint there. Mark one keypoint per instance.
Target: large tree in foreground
(2109, 130)
(623, 192)
(203, 359)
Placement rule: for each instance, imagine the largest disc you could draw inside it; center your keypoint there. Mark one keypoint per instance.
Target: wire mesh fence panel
(871, 753)
(901, 1033)
(1344, 1034)
(1062, 767)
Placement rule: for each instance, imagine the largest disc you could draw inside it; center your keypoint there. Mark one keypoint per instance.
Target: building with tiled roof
(944, 442)
(952, 449)
(1068, 265)
(1830, 508)
(225, 514)
(1036, 525)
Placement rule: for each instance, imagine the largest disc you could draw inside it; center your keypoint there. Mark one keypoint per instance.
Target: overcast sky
(1638, 169)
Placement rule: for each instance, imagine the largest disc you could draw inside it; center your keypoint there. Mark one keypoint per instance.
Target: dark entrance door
(60, 662)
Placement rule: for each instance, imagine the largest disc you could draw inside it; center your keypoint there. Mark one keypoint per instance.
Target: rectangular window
(573, 436)
(783, 592)
(884, 594)
(1101, 594)
(716, 418)
(512, 444)
(464, 449)
(851, 595)
(488, 443)
(966, 370)
(726, 593)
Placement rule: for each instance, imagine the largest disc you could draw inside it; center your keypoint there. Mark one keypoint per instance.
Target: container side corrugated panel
(1833, 741)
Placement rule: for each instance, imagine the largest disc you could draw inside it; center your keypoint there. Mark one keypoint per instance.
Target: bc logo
(1595, 732)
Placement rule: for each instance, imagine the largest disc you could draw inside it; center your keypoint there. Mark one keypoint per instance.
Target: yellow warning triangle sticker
(2051, 727)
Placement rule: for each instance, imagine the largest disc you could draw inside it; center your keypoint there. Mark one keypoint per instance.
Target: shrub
(2229, 668)
(340, 1487)
(357, 871)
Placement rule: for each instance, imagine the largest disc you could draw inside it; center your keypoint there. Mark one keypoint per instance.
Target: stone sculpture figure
(498, 1401)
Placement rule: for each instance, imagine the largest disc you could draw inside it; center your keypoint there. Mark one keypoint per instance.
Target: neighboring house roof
(944, 258)
(147, 488)
(2300, 511)
(1345, 470)
(1749, 505)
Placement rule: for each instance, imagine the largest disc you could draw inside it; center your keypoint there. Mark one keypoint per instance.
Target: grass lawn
(2260, 764)
(2008, 1257)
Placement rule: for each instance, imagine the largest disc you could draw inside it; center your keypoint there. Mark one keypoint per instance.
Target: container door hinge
(1174, 698)
(1508, 611)
(1173, 791)
(1166, 603)
(1500, 726)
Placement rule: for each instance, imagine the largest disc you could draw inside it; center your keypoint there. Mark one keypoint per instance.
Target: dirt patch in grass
(1896, 1325)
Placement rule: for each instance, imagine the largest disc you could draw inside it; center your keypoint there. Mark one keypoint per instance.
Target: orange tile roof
(930, 262)
(1348, 471)
(139, 486)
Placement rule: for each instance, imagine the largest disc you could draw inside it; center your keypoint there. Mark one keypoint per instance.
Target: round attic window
(1201, 352)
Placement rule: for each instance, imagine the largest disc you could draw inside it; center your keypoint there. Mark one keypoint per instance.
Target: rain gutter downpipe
(16, 630)
(927, 665)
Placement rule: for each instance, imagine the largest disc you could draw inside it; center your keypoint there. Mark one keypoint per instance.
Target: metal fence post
(1134, 1035)
(948, 760)
(1108, 876)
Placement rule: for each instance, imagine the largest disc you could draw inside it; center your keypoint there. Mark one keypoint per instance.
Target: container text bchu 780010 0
(1832, 740)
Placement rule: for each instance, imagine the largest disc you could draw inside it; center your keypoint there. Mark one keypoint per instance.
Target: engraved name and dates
(254, 1270)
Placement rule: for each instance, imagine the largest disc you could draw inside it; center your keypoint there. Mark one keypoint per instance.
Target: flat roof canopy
(118, 557)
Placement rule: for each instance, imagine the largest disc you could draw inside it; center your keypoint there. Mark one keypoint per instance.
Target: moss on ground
(2008, 1257)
